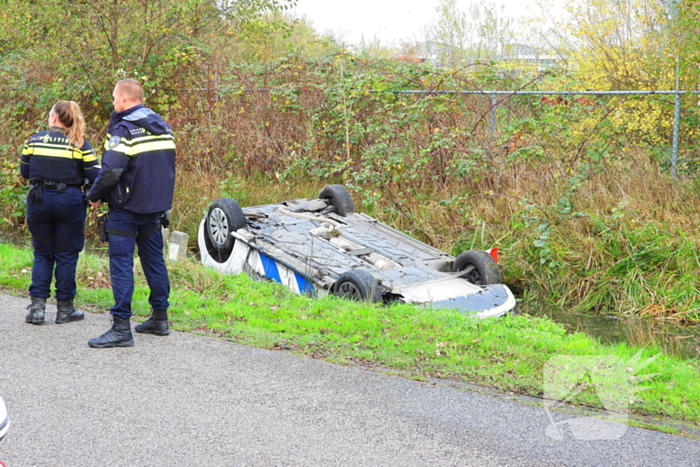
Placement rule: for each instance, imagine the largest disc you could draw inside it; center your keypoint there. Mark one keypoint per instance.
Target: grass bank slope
(515, 353)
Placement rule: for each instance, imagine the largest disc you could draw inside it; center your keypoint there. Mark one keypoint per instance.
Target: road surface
(187, 400)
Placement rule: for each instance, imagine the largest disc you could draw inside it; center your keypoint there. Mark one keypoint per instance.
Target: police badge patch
(113, 142)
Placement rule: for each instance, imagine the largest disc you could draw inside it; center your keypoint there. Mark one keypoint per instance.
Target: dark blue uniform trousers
(121, 260)
(57, 225)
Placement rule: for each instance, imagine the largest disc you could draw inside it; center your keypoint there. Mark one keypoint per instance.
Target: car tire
(357, 285)
(339, 197)
(481, 268)
(224, 216)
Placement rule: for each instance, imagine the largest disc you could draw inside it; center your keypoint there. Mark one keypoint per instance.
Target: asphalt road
(187, 400)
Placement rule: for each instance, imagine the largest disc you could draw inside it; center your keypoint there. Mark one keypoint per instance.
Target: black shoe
(36, 311)
(118, 336)
(67, 312)
(157, 324)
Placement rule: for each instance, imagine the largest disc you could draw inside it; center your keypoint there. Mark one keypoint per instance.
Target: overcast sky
(387, 20)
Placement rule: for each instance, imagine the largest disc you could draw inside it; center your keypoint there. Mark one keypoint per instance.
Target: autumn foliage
(567, 186)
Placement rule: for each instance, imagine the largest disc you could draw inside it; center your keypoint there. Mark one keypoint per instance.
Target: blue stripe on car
(305, 287)
(270, 267)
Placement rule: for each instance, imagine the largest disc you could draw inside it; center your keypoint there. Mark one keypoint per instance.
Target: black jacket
(49, 156)
(138, 165)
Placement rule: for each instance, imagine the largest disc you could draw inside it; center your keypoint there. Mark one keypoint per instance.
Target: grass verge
(509, 354)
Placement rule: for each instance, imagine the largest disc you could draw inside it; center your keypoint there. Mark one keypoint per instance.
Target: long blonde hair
(70, 115)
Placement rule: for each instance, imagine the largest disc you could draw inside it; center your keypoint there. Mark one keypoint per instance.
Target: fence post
(492, 121)
(676, 121)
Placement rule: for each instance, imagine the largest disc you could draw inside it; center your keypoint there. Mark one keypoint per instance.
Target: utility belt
(104, 230)
(35, 190)
(58, 186)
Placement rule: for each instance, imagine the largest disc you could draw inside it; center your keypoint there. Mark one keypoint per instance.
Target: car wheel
(478, 266)
(358, 285)
(339, 197)
(224, 216)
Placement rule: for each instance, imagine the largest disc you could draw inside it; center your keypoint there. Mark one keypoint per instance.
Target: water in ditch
(670, 336)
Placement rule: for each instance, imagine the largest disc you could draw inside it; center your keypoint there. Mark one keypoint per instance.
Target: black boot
(67, 312)
(118, 336)
(36, 311)
(157, 324)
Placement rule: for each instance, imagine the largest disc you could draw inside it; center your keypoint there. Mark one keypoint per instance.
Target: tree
(449, 35)
(685, 33)
(625, 45)
(159, 41)
(616, 43)
(460, 38)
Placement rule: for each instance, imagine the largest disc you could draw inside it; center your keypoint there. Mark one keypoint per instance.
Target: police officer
(57, 161)
(137, 181)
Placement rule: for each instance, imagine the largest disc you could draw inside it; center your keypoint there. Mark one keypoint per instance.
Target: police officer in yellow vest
(137, 181)
(58, 161)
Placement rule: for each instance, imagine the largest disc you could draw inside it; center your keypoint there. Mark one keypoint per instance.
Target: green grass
(508, 354)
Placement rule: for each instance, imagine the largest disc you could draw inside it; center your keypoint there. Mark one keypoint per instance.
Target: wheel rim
(218, 226)
(350, 290)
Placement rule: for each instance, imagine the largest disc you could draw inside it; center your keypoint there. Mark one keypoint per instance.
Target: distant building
(527, 59)
(515, 58)
(440, 54)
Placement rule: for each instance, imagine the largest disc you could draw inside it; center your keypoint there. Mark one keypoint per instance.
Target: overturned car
(320, 246)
